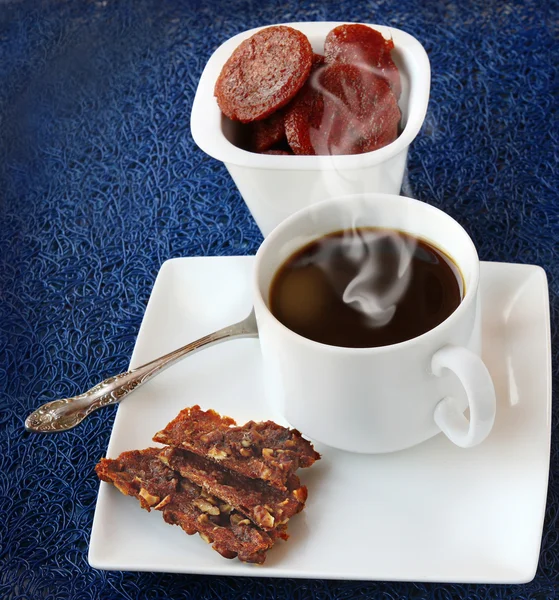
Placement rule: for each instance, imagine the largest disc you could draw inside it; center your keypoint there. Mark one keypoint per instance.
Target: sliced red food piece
(264, 73)
(305, 111)
(267, 132)
(304, 94)
(317, 60)
(362, 45)
(343, 109)
(303, 115)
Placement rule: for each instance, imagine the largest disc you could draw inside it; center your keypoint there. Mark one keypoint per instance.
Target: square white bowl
(275, 187)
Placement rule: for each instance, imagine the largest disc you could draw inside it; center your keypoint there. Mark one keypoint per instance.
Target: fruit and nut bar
(141, 473)
(266, 506)
(263, 450)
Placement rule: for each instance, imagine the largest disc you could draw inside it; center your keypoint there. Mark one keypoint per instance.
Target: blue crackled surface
(100, 183)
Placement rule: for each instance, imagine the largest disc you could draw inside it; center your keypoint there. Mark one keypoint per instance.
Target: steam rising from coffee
(376, 288)
(367, 292)
(370, 270)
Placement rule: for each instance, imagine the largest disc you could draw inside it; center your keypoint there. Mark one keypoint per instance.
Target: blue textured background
(100, 182)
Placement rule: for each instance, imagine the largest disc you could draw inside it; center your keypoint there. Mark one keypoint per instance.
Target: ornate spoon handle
(60, 415)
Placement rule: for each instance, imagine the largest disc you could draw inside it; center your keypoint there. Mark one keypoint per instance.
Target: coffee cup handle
(475, 378)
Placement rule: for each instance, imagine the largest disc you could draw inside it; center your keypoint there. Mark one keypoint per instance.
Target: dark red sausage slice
(343, 109)
(305, 112)
(360, 44)
(317, 60)
(264, 73)
(267, 133)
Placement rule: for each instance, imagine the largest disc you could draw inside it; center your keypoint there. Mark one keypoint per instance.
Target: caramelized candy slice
(132, 471)
(267, 507)
(264, 451)
(263, 74)
(342, 110)
(362, 45)
(140, 473)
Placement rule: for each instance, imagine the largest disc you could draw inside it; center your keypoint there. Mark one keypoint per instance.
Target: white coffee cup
(387, 398)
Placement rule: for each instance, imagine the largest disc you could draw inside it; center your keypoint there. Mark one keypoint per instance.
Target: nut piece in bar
(140, 473)
(263, 450)
(266, 506)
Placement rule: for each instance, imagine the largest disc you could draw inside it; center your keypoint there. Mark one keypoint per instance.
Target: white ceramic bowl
(275, 187)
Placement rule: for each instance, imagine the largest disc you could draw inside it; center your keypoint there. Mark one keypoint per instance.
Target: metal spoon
(60, 415)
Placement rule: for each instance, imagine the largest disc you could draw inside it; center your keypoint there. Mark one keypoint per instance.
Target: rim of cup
(470, 286)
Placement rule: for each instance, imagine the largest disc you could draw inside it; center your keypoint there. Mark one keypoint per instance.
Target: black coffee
(365, 287)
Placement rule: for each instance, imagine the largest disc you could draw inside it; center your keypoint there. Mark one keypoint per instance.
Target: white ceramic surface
(431, 513)
(276, 186)
(387, 398)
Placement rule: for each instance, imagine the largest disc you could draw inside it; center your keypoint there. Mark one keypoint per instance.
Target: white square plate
(431, 513)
